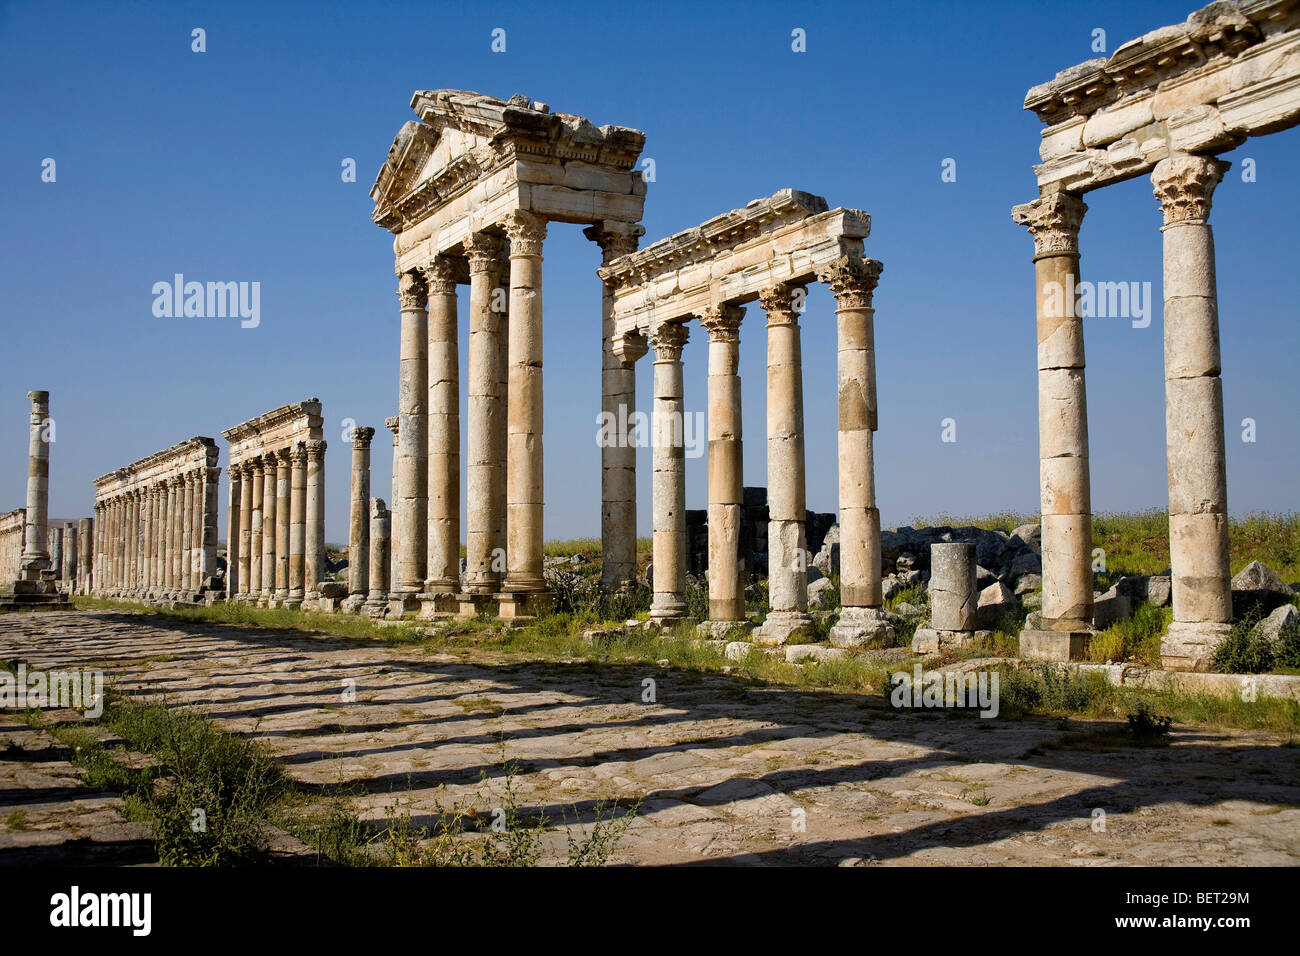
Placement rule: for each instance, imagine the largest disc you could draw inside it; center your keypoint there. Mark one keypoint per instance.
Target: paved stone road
(726, 768)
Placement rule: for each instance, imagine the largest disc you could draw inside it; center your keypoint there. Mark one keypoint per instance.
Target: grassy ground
(1138, 543)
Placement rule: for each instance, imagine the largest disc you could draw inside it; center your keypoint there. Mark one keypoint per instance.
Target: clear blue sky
(225, 165)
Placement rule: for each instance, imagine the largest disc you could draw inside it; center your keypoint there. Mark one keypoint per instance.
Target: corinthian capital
(853, 280)
(1185, 186)
(361, 436)
(411, 291)
(526, 231)
(668, 339)
(440, 276)
(615, 239)
(723, 322)
(779, 304)
(483, 251)
(1053, 221)
(315, 449)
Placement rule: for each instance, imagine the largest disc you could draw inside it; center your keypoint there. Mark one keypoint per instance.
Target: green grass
(1136, 640)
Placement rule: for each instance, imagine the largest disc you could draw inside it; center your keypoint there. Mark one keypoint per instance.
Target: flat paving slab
(729, 771)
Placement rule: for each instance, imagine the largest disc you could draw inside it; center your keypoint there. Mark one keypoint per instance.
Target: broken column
(377, 600)
(1198, 486)
(85, 555)
(954, 598)
(36, 556)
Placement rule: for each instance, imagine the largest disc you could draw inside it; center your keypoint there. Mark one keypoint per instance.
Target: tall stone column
(188, 509)
(236, 541)
(119, 543)
(617, 403)
(359, 521)
(668, 481)
(413, 458)
(1194, 439)
(54, 544)
(137, 540)
(853, 281)
(85, 554)
(377, 601)
(283, 522)
(36, 556)
(313, 560)
(487, 420)
(270, 485)
(70, 555)
(146, 522)
(787, 553)
(394, 425)
(243, 473)
(206, 523)
(297, 522)
(178, 500)
(157, 495)
(726, 493)
(95, 571)
(443, 537)
(524, 457)
(1053, 221)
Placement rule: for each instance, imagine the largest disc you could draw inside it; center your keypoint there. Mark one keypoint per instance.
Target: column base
(667, 608)
(401, 603)
(524, 605)
(1054, 645)
(474, 603)
(376, 605)
(862, 627)
(437, 604)
(1190, 646)
(780, 627)
(353, 603)
(724, 630)
(929, 640)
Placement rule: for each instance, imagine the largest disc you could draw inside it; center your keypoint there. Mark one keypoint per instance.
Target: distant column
(377, 602)
(297, 523)
(243, 473)
(270, 486)
(85, 552)
(236, 542)
(283, 522)
(359, 521)
(314, 532)
(36, 556)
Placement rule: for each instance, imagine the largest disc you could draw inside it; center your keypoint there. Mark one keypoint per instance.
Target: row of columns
(1194, 430)
(158, 539)
(69, 547)
(503, 473)
(853, 281)
(276, 539)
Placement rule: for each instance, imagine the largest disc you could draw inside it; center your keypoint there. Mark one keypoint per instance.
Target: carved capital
(668, 339)
(853, 281)
(247, 468)
(1185, 186)
(628, 347)
(283, 457)
(315, 449)
(440, 276)
(483, 251)
(778, 303)
(526, 231)
(361, 437)
(1053, 221)
(298, 453)
(723, 322)
(412, 291)
(391, 423)
(615, 239)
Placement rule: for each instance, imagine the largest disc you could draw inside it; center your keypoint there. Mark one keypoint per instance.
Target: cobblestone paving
(727, 769)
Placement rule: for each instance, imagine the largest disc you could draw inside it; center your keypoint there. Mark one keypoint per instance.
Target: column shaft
(726, 494)
(359, 517)
(444, 432)
(487, 419)
(668, 485)
(35, 557)
(412, 408)
(314, 530)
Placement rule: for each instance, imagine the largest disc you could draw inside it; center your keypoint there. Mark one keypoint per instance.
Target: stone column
(487, 419)
(243, 473)
(54, 546)
(377, 602)
(236, 539)
(1053, 221)
(159, 500)
(413, 457)
(359, 521)
(954, 597)
(36, 557)
(853, 281)
(668, 481)
(617, 403)
(297, 522)
(255, 529)
(726, 493)
(96, 573)
(393, 424)
(137, 540)
(524, 472)
(85, 552)
(70, 558)
(1194, 439)
(206, 523)
(188, 509)
(180, 492)
(283, 522)
(787, 554)
(443, 536)
(313, 559)
(270, 486)
(146, 523)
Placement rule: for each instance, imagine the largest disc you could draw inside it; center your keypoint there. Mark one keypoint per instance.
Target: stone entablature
(1230, 72)
(155, 525)
(275, 541)
(471, 160)
(784, 239)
